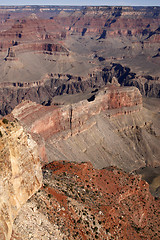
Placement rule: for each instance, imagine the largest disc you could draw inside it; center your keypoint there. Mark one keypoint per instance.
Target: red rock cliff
(73, 118)
(109, 128)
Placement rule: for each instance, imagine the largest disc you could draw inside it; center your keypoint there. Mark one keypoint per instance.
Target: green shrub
(49, 195)
(5, 121)
(95, 229)
(12, 124)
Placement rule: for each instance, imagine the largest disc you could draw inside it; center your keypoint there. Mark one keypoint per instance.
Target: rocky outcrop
(118, 33)
(80, 202)
(112, 21)
(11, 55)
(110, 127)
(23, 32)
(43, 92)
(71, 119)
(149, 86)
(20, 172)
(104, 21)
(43, 47)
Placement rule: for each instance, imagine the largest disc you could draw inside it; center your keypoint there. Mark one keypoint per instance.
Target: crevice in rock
(91, 99)
(84, 31)
(70, 118)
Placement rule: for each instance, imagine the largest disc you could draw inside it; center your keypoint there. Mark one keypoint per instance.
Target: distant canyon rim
(49, 51)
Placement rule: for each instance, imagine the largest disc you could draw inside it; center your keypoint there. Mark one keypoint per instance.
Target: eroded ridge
(72, 118)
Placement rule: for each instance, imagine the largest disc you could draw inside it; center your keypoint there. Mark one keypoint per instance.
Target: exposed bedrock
(147, 85)
(43, 92)
(20, 172)
(109, 128)
(111, 21)
(116, 33)
(72, 117)
(21, 32)
(139, 25)
(78, 201)
(44, 47)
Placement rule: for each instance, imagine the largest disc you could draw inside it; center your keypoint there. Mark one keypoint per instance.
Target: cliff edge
(20, 172)
(110, 127)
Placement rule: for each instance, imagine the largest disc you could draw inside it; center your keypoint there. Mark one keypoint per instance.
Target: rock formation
(50, 51)
(77, 41)
(20, 172)
(148, 85)
(73, 118)
(80, 202)
(11, 55)
(110, 127)
(43, 91)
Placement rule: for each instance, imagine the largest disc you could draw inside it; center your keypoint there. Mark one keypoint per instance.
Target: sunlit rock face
(109, 127)
(72, 118)
(78, 201)
(36, 43)
(20, 172)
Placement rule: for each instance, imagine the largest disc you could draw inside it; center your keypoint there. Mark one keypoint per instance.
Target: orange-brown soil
(85, 203)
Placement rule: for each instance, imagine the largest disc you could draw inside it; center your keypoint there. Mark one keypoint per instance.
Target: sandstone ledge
(20, 173)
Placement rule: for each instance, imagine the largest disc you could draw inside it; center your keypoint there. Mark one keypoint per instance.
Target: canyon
(79, 89)
(51, 51)
(106, 131)
(107, 127)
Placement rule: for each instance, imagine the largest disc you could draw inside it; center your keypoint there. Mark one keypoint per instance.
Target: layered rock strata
(110, 127)
(20, 172)
(103, 22)
(44, 90)
(73, 118)
(87, 38)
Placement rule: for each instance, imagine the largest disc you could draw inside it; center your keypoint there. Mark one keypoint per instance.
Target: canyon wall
(109, 128)
(74, 41)
(72, 118)
(20, 172)
(112, 21)
(44, 91)
(101, 21)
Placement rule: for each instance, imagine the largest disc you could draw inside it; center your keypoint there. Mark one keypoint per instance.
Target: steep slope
(44, 91)
(20, 172)
(76, 41)
(80, 202)
(110, 127)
